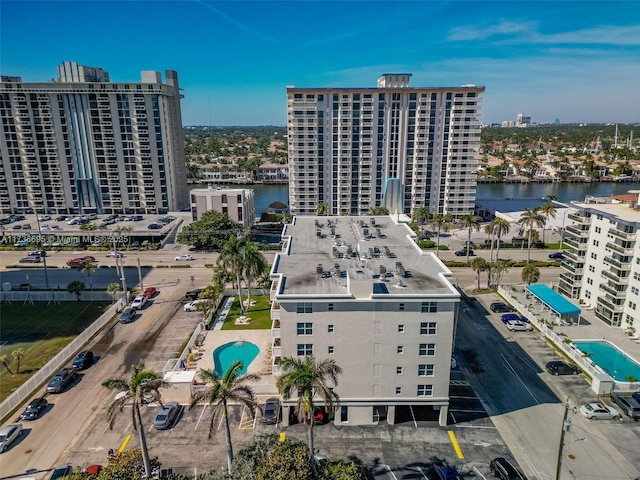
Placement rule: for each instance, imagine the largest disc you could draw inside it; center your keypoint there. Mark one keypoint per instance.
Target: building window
(596, 243)
(592, 268)
(429, 307)
(398, 370)
(632, 305)
(587, 293)
(598, 230)
(344, 414)
(330, 307)
(629, 319)
(400, 328)
(590, 281)
(634, 290)
(305, 328)
(401, 307)
(427, 328)
(330, 350)
(400, 349)
(304, 308)
(398, 390)
(330, 328)
(594, 256)
(425, 390)
(427, 349)
(305, 349)
(425, 370)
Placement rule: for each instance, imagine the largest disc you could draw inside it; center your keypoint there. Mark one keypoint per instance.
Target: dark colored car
(37, 253)
(60, 380)
(463, 252)
(500, 307)
(556, 255)
(166, 415)
(271, 412)
(504, 470)
(128, 315)
(446, 472)
(83, 360)
(193, 294)
(61, 472)
(154, 226)
(628, 404)
(636, 396)
(34, 408)
(509, 317)
(561, 368)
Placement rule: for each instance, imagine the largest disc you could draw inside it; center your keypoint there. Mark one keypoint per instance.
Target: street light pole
(565, 427)
(564, 218)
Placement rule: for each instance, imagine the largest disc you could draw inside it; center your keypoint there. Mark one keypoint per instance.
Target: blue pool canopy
(554, 300)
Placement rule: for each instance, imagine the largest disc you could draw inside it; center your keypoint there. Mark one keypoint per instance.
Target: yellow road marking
(452, 437)
(124, 444)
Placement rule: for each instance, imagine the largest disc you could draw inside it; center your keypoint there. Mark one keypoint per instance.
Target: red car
(80, 261)
(149, 292)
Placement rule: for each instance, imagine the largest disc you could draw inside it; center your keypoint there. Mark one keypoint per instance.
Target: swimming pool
(226, 354)
(610, 358)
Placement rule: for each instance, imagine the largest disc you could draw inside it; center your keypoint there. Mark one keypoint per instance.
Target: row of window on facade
(424, 349)
(425, 307)
(306, 328)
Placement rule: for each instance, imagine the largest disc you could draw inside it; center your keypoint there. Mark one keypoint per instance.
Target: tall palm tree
(140, 384)
(89, 268)
(4, 359)
(439, 223)
(479, 265)
(231, 387)
(470, 222)
(548, 210)
(497, 227)
(231, 259)
(253, 265)
(322, 209)
(421, 215)
(531, 219)
(17, 355)
(530, 274)
(76, 287)
(307, 378)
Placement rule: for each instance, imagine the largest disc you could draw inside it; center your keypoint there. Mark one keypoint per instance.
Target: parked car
(114, 255)
(61, 218)
(128, 315)
(183, 258)
(34, 408)
(44, 218)
(446, 472)
(26, 226)
(510, 317)
(83, 360)
(9, 434)
(167, 219)
(149, 292)
(561, 368)
(636, 396)
(92, 470)
(37, 253)
(630, 407)
(139, 302)
(498, 307)
(518, 326)
(504, 469)
(463, 252)
(191, 306)
(61, 472)
(29, 259)
(154, 226)
(21, 243)
(136, 218)
(599, 411)
(193, 294)
(61, 380)
(271, 411)
(166, 415)
(556, 255)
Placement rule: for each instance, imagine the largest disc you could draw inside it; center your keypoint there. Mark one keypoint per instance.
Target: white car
(44, 218)
(191, 306)
(114, 255)
(184, 258)
(9, 434)
(599, 411)
(518, 326)
(139, 301)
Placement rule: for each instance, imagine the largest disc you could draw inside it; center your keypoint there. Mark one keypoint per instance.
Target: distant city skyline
(576, 61)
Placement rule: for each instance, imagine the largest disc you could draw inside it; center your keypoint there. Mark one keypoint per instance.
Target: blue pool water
(226, 354)
(611, 359)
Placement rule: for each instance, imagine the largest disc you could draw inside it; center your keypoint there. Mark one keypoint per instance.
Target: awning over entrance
(556, 302)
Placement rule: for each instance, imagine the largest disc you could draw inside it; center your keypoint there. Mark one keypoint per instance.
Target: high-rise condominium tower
(353, 149)
(83, 144)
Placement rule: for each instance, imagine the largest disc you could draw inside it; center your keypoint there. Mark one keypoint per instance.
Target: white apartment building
(237, 203)
(360, 291)
(602, 265)
(83, 144)
(396, 146)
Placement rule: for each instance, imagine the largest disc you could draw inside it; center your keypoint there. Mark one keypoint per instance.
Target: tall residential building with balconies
(83, 144)
(396, 146)
(602, 265)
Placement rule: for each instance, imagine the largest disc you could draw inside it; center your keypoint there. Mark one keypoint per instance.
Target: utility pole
(565, 428)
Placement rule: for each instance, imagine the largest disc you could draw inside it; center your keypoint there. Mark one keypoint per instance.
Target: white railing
(25, 390)
(45, 296)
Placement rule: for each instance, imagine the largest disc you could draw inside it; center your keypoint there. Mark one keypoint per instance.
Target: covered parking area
(565, 312)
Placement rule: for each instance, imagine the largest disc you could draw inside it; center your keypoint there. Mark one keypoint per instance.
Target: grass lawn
(41, 330)
(260, 315)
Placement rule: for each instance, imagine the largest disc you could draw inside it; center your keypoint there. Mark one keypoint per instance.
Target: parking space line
(204, 407)
(124, 444)
(391, 472)
(478, 472)
(454, 441)
(422, 472)
(519, 379)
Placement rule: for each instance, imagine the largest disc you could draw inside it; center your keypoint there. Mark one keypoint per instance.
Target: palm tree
(548, 210)
(322, 209)
(76, 287)
(470, 222)
(136, 388)
(113, 288)
(530, 219)
(439, 223)
(308, 378)
(17, 355)
(89, 268)
(253, 265)
(530, 274)
(421, 215)
(479, 265)
(4, 359)
(231, 259)
(497, 227)
(381, 210)
(231, 387)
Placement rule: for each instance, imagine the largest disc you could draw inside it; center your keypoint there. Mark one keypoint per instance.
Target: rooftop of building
(625, 212)
(361, 257)
(219, 190)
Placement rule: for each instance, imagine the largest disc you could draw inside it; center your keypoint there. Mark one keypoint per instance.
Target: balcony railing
(613, 291)
(569, 279)
(575, 230)
(621, 234)
(577, 218)
(621, 250)
(610, 305)
(625, 266)
(611, 274)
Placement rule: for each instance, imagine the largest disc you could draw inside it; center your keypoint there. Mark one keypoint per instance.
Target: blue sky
(576, 61)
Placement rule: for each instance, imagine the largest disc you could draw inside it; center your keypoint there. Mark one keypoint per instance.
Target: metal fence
(56, 363)
(53, 295)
